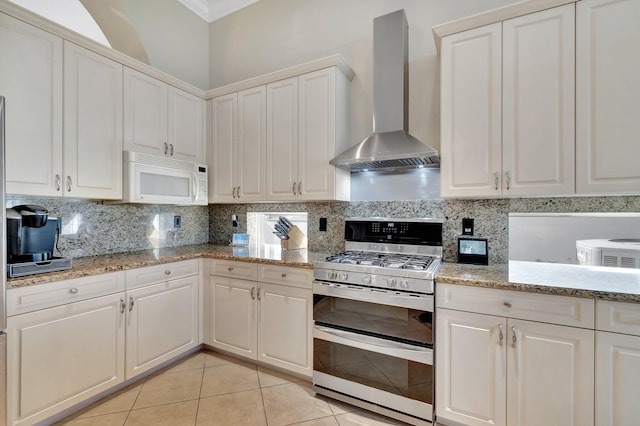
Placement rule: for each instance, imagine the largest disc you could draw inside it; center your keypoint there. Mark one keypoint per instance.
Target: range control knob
(331, 275)
(404, 284)
(366, 279)
(343, 276)
(391, 283)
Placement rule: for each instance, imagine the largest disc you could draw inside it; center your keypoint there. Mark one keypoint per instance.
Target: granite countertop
(615, 284)
(94, 265)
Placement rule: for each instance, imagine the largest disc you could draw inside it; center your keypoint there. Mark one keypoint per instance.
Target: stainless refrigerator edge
(3, 274)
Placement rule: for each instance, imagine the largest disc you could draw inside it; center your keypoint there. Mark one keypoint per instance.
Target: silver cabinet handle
(251, 293)
(293, 188)
(131, 303)
(507, 304)
(230, 268)
(283, 276)
(238, 192)
(167, 272)
(69, 183)
(123, 305)
(300, 188)
(500, 335)
(259, 298)
(58, 182)
(496, 178)
(171, 150)
(508, 174)
(514, 338)
(166, 148)
(73, 290)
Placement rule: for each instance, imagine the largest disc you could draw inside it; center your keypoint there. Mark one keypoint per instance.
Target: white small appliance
(153, 179)
(618, 252)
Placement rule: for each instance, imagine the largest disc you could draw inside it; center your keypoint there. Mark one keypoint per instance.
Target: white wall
(273, 34)
(175, 38)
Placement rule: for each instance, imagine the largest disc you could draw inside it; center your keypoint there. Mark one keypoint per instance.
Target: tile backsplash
(491, 217)
(92, 228)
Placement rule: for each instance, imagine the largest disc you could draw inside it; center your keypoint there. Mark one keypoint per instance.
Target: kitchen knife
(281, 229)
(279, 235)
(287, 222)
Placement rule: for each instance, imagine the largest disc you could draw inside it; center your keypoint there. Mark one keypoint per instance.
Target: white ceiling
(210, 10)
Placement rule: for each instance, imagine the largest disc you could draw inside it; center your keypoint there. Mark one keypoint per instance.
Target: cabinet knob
(284, 275)
(230, 268)
(167, 272)
(73, 290)
(507, 304)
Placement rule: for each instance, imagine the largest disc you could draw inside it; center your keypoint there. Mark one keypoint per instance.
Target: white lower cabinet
(60, 356)
(500, 370)
(265, 321)
(71, 340)
(162, 322)
(617, 363)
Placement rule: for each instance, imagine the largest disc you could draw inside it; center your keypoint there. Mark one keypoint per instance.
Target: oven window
(404, 325)
(396, 375)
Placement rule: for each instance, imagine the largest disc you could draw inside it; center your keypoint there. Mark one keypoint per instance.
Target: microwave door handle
(196, 188)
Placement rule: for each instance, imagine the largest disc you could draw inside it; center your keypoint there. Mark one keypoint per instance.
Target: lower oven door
(374, 354)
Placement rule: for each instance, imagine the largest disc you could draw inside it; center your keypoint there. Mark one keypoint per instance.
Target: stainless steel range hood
(390, 147)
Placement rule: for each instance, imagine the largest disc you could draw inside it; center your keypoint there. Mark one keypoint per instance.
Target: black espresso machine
(32, 237)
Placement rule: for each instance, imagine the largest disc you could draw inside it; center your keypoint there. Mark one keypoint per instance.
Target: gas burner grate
(383, 260)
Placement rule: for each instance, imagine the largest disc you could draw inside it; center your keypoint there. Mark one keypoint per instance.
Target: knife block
(297, 240)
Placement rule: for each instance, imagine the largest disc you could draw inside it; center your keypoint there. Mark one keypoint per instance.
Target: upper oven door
(405, 319)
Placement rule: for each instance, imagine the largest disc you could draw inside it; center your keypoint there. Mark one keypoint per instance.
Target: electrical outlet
(177, 221)
(467, 226)
(323, 224)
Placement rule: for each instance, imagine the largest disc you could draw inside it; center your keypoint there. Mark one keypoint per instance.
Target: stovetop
(383, 260)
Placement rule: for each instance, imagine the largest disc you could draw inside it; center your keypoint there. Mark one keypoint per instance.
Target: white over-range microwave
(153, 179)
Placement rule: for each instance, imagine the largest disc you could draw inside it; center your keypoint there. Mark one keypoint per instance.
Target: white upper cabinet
(538, 103)
(282, 140)
(273, 141)
(92, 124)
(508, 107)
(470, 113)
(162, 120)
(608, 96)
(238, 145)
(31, 82)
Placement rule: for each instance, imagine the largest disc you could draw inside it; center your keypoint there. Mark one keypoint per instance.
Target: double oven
(373, 317)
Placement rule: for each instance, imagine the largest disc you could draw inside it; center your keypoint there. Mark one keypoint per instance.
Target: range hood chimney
(390, 147)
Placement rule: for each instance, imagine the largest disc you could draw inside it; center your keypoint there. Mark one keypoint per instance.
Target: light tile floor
(213, 389)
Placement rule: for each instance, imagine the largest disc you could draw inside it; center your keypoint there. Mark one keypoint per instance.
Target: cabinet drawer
(618, 317)
(563, 310)
(296, 277)
(230, 268)
(28, 299)
(167, 271)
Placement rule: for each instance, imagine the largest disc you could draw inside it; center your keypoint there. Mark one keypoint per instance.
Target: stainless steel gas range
(373, 317)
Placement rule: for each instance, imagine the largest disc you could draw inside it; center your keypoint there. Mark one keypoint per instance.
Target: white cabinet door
(550, 374)
(61, 356)
(282, 140)
(162, 322)
(222, 152)
(538, 103)
(607, 96)
(186, 126)
(317, 134)
(145, 113)
(617, 379)
(92, 124)
(470, 368)
(31, 82)
(284, 327)
(251, 146)
(233, 314)
(471, 126)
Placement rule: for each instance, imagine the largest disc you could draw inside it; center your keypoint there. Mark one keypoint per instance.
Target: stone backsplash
(491, 217)
(92, 228)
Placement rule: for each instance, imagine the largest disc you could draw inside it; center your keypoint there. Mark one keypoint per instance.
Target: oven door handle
(374, 344)
(383, 297)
